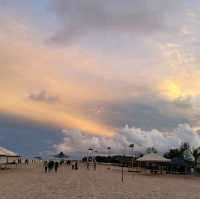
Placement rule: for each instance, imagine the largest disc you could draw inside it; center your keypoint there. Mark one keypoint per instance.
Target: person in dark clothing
(72, 166)
(76, 165)
(50, 165)
(95, 165)
(88, 165)
(45, 166)
(68, 162)
(56, 165)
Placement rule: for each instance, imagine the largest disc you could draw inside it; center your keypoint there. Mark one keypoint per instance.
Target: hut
(7, 157)
(154, 162)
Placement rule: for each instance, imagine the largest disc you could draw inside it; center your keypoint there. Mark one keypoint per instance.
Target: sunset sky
(82, 73)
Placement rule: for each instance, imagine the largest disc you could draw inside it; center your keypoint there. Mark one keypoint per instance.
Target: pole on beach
(122, 170)
(109, 156)
(131, 147)
(122, 173)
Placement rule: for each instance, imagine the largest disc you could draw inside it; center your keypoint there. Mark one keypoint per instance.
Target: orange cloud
(28, 66)
(50, 114)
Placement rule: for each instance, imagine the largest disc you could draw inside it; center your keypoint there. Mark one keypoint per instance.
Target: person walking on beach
(73, 166)
(50, 165)
(56, 165)
(88, 165)
(45, 166)
(95, 165)
(76, 165)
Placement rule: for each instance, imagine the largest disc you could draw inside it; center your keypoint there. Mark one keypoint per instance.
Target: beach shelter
(154, 162)
(7, 156)
(7, 153)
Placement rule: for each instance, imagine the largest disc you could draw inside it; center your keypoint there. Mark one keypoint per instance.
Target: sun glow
(171, 89)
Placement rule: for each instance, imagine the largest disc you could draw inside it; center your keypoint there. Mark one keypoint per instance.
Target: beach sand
(101, 184)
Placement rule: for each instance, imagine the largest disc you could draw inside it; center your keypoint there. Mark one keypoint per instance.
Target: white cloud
(75, 141)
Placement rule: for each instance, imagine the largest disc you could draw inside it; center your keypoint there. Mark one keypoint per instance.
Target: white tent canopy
(7, 153)
(153, 157)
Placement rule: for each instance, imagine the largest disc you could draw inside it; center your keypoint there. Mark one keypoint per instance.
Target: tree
(196, 154)
(178, 152)
(151, 150)
(173, 153)
(185, 146)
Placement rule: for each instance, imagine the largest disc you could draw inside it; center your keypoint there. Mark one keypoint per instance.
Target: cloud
(117, 74)
(80, 18)
(146, 111)
(43, 96)
(27, 64)
(75, 141)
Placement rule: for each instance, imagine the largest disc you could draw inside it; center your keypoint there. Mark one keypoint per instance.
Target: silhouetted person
(26, 161)
(95, 165)
(56, 165)
(50, 165)
(76, 165)
(88, 165)
(68, 162)
(45, 166)
(19, 161)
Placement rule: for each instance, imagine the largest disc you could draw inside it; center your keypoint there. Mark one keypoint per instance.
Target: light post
(132, 147)
(122, 166)
(109, 158)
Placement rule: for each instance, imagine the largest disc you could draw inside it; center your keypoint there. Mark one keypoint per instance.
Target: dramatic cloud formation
(163, 141)
(95, 65)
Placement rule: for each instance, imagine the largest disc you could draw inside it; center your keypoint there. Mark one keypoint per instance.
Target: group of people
(50, 166)
(54, 165)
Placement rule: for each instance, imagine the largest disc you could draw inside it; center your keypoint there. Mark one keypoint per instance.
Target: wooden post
(122, 173)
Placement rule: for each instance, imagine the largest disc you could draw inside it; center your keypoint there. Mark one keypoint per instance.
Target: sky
(76, 74)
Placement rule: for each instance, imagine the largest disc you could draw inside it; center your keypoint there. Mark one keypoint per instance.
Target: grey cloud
(43, 96)
(183, 102)
(91, 16)
(146, 112)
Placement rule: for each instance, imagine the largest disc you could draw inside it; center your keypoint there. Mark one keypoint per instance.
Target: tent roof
(153, 157)
(7, 153)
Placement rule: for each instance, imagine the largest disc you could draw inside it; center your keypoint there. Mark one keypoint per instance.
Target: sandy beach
(101, 184)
